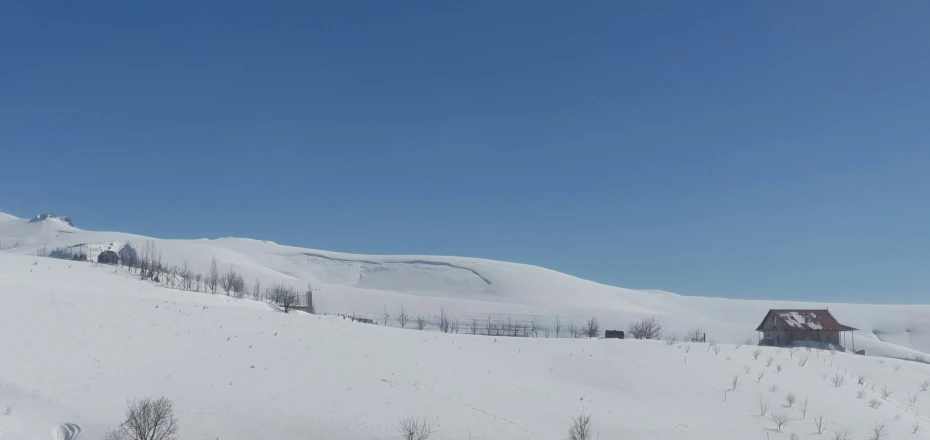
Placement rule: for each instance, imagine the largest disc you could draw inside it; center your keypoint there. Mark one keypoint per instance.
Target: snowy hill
(78, 340)
(471, 288)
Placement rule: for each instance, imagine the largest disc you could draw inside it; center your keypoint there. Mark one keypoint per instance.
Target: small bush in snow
(916, 427)
(879, 431)
(687, 349)
(769, 362)
(756, 353)
(780, 420)
(911, 401)
(860, 394)
(885, 392)
(841, 435)
(803, 407)
(860, 379)
(778, 368)
(8, 410)
(734, 383)
(820, 424)
(403, 318)
(897, 367)
(760, 376)
(421, 323)
(802, 362)
(773, 389)
(413, 429)
(695, 335)
(925, 385)
(763, 406)
(646, 328)
(716, 349)
(823, 376)
(747, 369)
(581, 428)
(794, 436)
(671, 340)
(875, 403)
(837, 380)
(790, 399)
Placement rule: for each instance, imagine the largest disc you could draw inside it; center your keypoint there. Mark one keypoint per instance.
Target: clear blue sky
(744, 149)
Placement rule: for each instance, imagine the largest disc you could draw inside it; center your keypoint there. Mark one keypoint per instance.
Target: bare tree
(760, 376)
(646, 328)
(803, 407)
(421, 323)
(403, 318)
(820, 424)
(790, 399)
(385, 317)
(925, 385)
(186, 275)
(213, 277)
(879, 431)
(227, 280)
(581, 428)
(780, 420)
(911, 401)
(198, 281)
(414, 429)
(283, 295)
(838, 379)
(557, 325)
(592, 329)
(445, 324)
(763, 406)
(841, 435)
(572, 330)
(768, 362)
(734, 382)
(257, 290)
(148, 419)
(474, 326)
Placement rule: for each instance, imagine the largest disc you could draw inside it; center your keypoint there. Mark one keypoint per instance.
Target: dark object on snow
(613, 334)
(860, 352)
(108, 257)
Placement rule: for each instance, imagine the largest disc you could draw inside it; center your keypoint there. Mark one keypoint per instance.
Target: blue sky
(740, 149)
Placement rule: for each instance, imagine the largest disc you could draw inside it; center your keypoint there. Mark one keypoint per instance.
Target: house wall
(784, 337)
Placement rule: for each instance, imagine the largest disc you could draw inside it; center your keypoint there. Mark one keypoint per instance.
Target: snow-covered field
(77, 341)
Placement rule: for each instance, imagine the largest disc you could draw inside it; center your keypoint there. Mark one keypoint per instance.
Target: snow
(78, 340)
(797, 320)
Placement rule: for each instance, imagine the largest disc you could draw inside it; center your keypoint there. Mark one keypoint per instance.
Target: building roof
(800, 319)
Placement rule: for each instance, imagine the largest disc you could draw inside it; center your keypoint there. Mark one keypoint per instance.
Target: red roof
(801, 319)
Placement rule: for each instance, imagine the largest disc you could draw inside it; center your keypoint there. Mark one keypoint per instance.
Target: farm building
(786, 326)
(108, 257)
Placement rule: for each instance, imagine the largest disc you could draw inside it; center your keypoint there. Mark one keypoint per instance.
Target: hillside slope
(472, 288)
(79, 340)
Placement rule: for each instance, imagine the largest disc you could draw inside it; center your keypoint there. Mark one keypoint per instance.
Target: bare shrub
(8, 410)
(860, 379)
(572, 330)
(760, 376)
(671, 340)
(734, 382)
(403, 318)
(803, 362)
(773, 389)
(820, 424)
(794, 436)
(768, 363)
(592, 329)
(445, 321)
(860, 394)
(747, 341)
(803, 407)
(581, 428)
(925, 385)
(841, 435)
(763, 406)
(385, 317)
(838, 379)
(790, 399)
(148, 419)
(911, 401)
(778, 368)
(716, 349)
(413, 429)
(756, 353)
(421, 323)
(875, 403)
(646, 328)
(896, 367)
(885, 392)
(879, 431)
(282, 295)
(695, 334)
(747, 369)
(780, 420)
(916, 427)
(687, 349)
(257, 290)
(823, 376)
